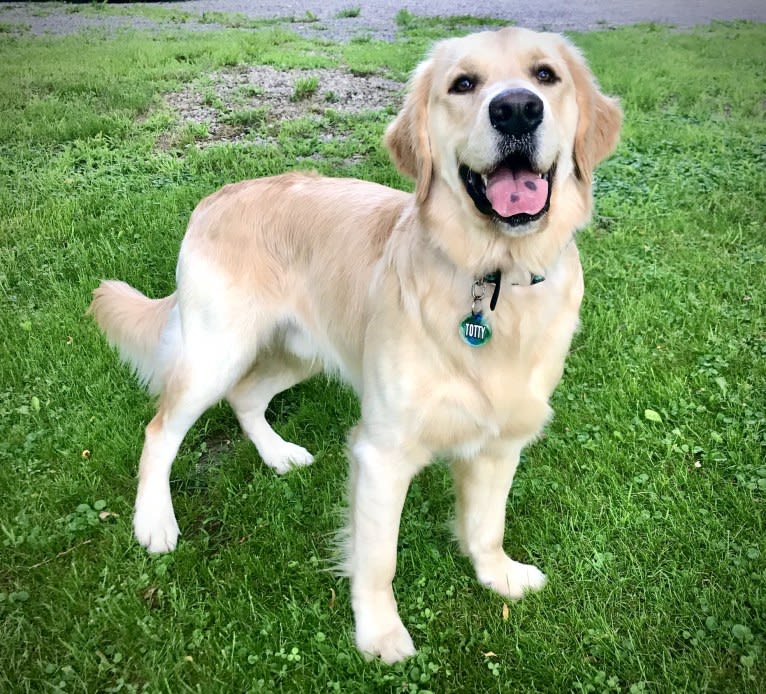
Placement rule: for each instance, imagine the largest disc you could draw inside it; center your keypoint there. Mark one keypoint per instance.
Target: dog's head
(506, 120)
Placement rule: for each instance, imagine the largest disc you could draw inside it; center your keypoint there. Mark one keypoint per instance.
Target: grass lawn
(644, 502)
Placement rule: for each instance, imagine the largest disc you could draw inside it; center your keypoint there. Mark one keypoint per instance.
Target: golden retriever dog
(450, 310)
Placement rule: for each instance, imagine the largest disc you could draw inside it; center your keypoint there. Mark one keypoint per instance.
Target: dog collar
(474, 328)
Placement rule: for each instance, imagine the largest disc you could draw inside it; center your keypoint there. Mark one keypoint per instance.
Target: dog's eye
(463, 85)
(545, 75)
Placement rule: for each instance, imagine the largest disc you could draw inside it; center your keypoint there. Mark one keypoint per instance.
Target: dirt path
(378, 17)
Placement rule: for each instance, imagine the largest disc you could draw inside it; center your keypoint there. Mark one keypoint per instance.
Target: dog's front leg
(482, 485)
(380, 478)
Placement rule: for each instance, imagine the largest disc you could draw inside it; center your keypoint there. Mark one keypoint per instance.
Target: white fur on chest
(455, 398)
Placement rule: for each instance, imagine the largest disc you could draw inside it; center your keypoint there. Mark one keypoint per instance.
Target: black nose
(516, 112)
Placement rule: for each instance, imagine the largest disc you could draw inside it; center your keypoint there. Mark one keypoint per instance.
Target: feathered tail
(135, 325)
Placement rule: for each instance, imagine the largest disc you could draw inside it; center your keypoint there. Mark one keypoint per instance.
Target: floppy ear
(407, 137)
(599, 118)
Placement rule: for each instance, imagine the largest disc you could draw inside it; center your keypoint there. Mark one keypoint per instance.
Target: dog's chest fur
(455, 398)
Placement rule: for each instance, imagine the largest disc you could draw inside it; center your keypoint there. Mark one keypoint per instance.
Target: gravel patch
(227, 99)
(59, 19)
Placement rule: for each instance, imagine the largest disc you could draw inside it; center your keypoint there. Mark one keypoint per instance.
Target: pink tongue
(516, 192)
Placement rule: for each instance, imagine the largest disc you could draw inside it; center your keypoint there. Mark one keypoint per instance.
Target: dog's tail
(136, 326)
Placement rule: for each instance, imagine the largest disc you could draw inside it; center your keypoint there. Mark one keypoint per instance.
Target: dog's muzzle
(514, 191)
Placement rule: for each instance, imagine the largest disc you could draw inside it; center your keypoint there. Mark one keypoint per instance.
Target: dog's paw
(155, 526)
(285, 456)
(512, 579)
(391, 645)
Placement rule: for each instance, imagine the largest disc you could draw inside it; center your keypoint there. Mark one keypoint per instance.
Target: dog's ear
(599, 117)
(407, 137)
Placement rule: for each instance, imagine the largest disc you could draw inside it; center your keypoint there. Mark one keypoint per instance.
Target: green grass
(102, 9)
(644, 502)
(349, 12)
(305, 87)
(435, 27)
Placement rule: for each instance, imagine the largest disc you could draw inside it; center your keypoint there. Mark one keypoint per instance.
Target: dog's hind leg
(199, 378)
(271, 374)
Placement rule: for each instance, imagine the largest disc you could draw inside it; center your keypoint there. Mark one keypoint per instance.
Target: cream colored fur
(283, 277)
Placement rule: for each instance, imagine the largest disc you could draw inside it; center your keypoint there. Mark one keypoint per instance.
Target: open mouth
(514, 192)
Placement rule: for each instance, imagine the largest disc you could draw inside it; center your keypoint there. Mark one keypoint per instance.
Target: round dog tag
(475, 330)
